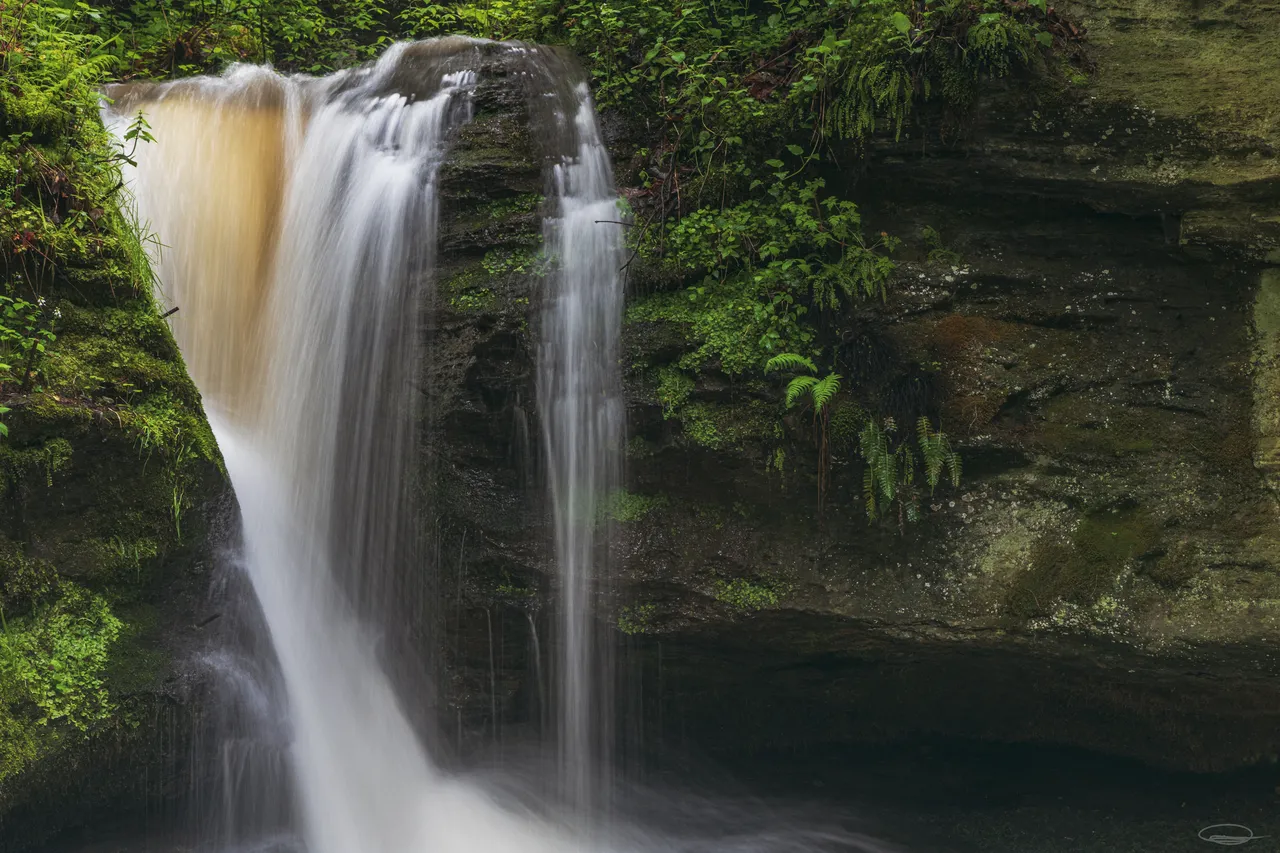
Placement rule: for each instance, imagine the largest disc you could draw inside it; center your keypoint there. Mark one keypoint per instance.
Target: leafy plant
(138, 130)
(745, 595)
(938, 252)
(818, 393)
(889, 480)
(56, 657)
(636, 618)
(25, 332)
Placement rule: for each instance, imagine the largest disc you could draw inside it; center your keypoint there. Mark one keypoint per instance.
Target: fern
(869, 93)
(790, 361)
(935, 449)
(890, 476)
(823, 390)
(880, 479)
(796, 388)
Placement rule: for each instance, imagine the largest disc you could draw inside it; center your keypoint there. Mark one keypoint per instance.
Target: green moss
(122, 558)
(466, 291)
(745, 595)
(625, 506)
(507, 261)
(24, 581)
(1084, 568)
(486, 158)
(504, 208)
(107, 447)
(53, 659)
(636, 618)
(720, 426)
(674, 388)
(44, 459)
(725, 324)
(1210, 63)
(844, 424)
(639, 447)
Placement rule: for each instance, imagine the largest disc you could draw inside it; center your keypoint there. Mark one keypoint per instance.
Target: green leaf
(678, 56)
(990, 18)
(773, 164)
(795, 149)
(790, 361)
(902, 22)
(798, 386)
(1044, 38)
(826, 389)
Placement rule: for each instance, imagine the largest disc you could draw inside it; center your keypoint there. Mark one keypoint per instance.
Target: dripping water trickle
(580, 400)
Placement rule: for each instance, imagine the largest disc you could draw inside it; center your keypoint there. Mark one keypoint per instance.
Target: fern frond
(790, 361)
(824, 390)
(908, 461)
(937, 453)
(953, 468)
(796, 387)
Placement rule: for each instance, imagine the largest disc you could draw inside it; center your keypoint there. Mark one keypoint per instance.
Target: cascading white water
(297, 323)
(298, 220)
(580, 401)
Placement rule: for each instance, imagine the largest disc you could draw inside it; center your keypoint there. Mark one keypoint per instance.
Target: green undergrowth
(104, 449)
(636, 619)
(742, 594)
(625, 506)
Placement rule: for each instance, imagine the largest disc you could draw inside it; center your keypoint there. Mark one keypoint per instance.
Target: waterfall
(580, 400)
(297, 218)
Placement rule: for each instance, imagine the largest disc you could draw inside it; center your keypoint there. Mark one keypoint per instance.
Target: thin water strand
(580, 400)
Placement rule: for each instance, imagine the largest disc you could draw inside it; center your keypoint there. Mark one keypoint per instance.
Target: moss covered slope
(104, 450)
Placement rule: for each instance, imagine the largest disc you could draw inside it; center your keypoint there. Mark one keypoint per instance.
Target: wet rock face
(1105, 575)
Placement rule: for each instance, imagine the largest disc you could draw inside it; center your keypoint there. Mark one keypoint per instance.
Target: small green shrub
(625, 506)
(745, 595)
(636, 618)
(55, 658)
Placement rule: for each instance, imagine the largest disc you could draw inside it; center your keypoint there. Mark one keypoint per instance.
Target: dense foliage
(745, 237)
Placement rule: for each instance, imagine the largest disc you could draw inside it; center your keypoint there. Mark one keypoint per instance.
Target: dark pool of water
(923, 797)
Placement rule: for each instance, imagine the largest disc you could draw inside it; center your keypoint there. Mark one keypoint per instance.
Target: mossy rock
(1084, 568)
(107, 467)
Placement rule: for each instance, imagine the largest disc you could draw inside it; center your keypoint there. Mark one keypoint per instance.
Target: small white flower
(40, 301)
(57, 313)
